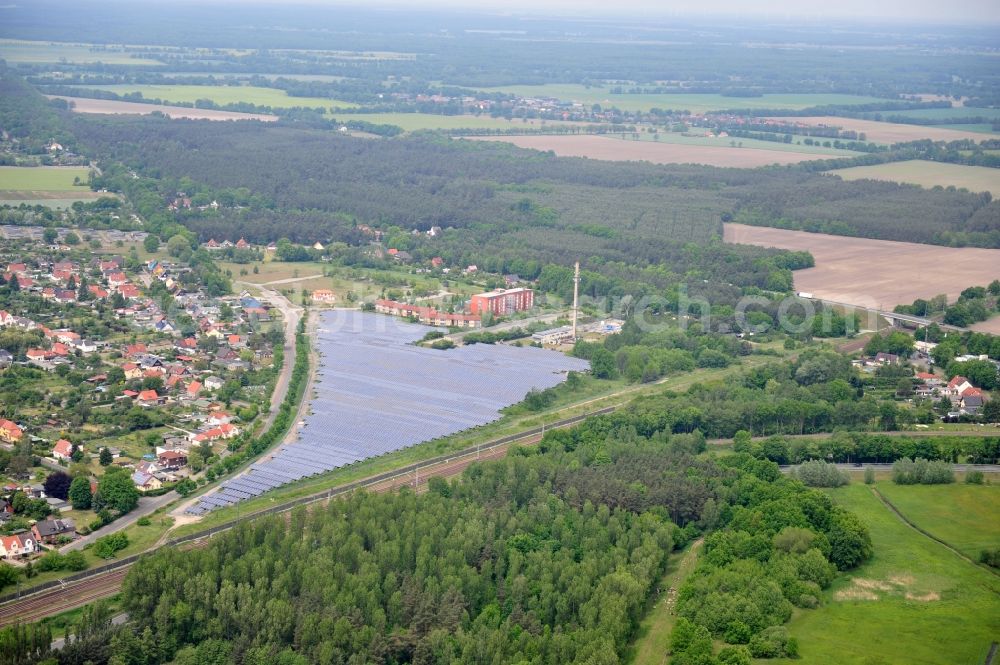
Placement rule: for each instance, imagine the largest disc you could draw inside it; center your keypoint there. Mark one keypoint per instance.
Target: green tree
(177, 245)
(118, 491)
(603, 365)
(151, 243)
(79, 493)
(106, 458)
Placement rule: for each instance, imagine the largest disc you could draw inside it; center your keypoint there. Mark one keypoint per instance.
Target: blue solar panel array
(377, 393)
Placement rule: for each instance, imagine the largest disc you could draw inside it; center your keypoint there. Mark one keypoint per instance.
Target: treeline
(548, 555)
(863, 447)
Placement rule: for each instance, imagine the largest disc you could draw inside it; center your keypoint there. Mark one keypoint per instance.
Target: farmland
(111, 107)
(612, 149)
(44, 185)
(696, 103)
(929, 174)
(875, 273)
(36, 52)
(887, 132)
(223, 94)
(914, 602)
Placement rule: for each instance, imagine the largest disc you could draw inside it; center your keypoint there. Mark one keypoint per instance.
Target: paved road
(290, 280)
(291, 315)
(147, 505)
(988, 430)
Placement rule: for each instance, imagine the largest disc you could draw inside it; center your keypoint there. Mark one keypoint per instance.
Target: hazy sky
(954, 11)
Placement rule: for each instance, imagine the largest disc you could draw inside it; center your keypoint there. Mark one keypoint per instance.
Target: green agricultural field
(411, 122)
(914, 603)
(42, 178)
(944, 114)
(31, 52)
(223, 94)
(696, 103)
(929, 174)
(982, 128)
(964, 516)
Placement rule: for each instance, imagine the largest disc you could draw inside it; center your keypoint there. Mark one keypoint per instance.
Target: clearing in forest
(929, 174)
(914, 602)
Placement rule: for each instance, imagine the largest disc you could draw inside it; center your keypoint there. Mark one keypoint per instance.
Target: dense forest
(547, 556)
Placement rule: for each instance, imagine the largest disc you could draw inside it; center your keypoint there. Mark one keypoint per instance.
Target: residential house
(957, 386)
(146, 482)
(9, 431)
(213, 382)
(324, 296)
(147, 398)
(132, 371)
(193, 389)
(48, 531)
(63, 450)
(172, 459)
(225, 431)
(18, 545)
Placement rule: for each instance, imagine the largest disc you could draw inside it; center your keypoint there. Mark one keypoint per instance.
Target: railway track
(89, 586)
(63, 598)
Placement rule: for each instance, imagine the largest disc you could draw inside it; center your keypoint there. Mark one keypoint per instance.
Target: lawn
(929, 174)
(964, 516)
(43, 178)
(914, 603)
(696, 103)
(223, 94)
(32, 52)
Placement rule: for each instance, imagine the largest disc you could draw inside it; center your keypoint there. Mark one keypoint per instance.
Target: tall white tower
(576, 296)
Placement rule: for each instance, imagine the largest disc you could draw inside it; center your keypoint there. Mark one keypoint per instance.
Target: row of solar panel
(377, 393)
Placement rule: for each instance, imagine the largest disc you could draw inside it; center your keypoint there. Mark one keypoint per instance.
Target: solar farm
(377, 393)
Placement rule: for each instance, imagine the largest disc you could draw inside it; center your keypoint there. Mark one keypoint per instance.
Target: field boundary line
(889, 504)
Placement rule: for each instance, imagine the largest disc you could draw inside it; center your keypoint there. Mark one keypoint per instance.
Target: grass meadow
(43, 178)
(964, 516)
(914, 603)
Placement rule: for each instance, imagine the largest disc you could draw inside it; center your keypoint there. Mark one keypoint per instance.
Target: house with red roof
(242, 243)
(129, 291)
(18, 545)
(9, 431)
(224, 431)
(136, 349)
(132, 371)
(193, 389)
(147, 398)
(117, 279)
(98, 292)
(957, 386)
(63, 450)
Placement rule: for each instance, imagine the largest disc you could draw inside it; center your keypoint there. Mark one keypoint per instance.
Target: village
(131, 381)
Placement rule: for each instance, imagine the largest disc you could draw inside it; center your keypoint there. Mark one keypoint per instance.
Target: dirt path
(653, 639)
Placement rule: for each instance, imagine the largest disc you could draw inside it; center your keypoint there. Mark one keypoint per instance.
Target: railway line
(70, 593)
